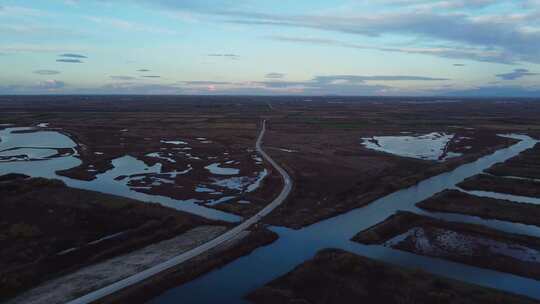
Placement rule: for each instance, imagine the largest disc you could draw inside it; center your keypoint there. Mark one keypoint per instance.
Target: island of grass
(460, 242)
(336, 276)
(48, 229)
(484, 182)
(526, 165)
(455, 201)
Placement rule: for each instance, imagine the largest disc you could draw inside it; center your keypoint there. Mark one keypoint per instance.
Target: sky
(271, 47)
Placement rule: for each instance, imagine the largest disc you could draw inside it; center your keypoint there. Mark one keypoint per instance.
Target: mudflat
(460, 242)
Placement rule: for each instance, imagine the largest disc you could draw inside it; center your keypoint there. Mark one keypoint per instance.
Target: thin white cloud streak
(477, 54)
(125, 25)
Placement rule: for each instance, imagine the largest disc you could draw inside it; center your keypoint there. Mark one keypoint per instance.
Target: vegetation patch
(47, 229)
(512, 186)
(460, 242)
(455, 201)
(336, 276)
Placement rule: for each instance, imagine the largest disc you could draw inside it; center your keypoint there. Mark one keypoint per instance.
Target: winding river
(232, 282)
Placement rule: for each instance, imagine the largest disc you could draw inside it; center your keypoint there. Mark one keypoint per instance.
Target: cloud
(69, 60)
(275, 75)
(205, 83)
(494, 91)
(143, 70)
(445, 4)
(125, 25)
(229, 56)
(72, 55)
(151, 76)
(311, 87)
(459, 64)
(282, 88)
(346, 80)
(130, 87)
(445, 52)
(51, 85)
(29, 48)
(318, 85)
(467, 29)
(20, 11)
(46, 72)
(516, 74)
(123, 78)
(202, 6)
(356, 78)
(510, 38)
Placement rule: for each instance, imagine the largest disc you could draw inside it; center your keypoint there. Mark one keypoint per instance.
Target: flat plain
(196, 154)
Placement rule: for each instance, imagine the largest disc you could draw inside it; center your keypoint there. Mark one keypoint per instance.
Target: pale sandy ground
(92, 277)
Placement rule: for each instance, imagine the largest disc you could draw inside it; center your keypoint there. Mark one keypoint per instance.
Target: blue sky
(271, 47)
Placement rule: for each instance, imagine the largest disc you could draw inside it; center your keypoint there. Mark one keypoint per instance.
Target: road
(141, 276)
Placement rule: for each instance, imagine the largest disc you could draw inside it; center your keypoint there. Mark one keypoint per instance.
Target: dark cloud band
(71, 55)
(46, 72)
(69, 60)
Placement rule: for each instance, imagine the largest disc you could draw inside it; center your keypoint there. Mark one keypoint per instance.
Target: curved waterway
(232, 282)
(30, 141)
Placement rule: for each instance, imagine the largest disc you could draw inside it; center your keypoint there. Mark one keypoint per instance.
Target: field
(336, 276)
(48, 229)
(459, 202)
(319, 142)
(526, 165)
(465, 243)
(512, 186)
(197, 154)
